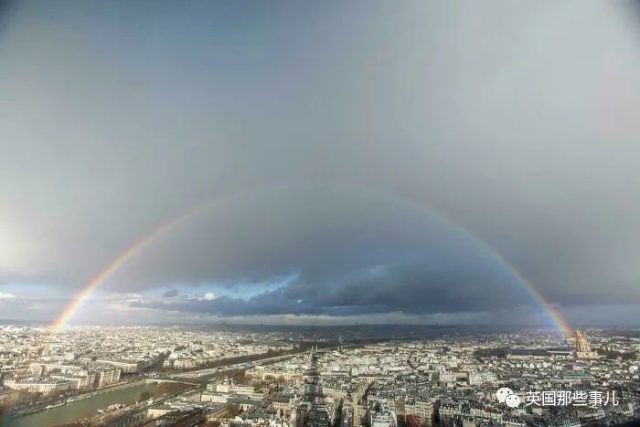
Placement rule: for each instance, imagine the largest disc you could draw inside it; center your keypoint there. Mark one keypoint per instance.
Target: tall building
(582, 343)
(583, 348)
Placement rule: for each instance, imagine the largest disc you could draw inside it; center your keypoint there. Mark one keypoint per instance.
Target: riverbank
(88, 405)
(88, 395)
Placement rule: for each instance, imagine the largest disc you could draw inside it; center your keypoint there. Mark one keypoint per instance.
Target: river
(87, 408)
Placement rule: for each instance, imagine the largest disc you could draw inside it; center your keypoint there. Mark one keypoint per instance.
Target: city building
(583, 348)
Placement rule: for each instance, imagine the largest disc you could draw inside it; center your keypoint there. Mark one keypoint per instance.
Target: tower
(583, 348)
(582, 344)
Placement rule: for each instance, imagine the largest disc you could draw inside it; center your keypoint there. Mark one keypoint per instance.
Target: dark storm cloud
(347, 253)
(517, 122)
(409, 289)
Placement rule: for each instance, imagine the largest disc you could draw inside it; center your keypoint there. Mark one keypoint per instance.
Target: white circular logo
(502, 394)
(512, 401)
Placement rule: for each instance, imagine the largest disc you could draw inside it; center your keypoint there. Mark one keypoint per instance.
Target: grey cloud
(409, 289)
(170, 293)
(515, 121)
(352, 253)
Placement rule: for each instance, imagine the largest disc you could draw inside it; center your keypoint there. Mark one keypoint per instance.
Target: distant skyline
(329, 163)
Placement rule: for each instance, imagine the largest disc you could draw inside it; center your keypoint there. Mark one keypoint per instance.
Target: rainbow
(80, 299)
(549, 308)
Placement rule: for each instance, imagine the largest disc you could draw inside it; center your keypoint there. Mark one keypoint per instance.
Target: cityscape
(291, 376)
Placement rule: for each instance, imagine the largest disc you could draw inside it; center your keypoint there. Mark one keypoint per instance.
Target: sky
(328, 162)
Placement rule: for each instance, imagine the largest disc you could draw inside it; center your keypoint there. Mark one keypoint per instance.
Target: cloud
(455, 109)
(6, 295)
(353, 253)
(408, 289)
(170, 293)
(209, 296)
